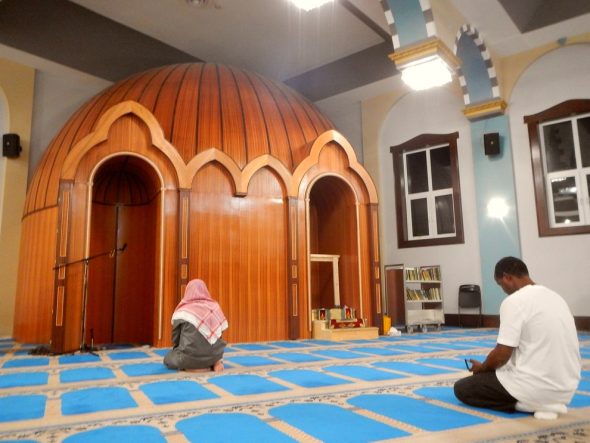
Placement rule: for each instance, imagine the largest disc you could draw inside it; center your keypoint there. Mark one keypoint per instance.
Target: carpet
(387, 389)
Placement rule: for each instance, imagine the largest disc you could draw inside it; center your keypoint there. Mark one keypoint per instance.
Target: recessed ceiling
(530, 15)
(341, 46)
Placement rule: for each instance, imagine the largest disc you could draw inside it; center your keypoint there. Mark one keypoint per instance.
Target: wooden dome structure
(193, 171)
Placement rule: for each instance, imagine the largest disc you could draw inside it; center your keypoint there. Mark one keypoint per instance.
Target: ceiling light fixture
(426, 74)
(427, 64)
(308, 5)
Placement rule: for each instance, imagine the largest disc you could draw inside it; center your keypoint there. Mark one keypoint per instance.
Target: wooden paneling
(167, 251)
(123, 282)
(199, 106)
(232, 117)
(394, 281)
(184, 130)
(334, 230)
(168, 96)
(251, 250)
(322, 285)
(136, 272)
(101, 274)
(32, 320)
(209, 134)
(278, 139)
(239, 248)
(256, 136)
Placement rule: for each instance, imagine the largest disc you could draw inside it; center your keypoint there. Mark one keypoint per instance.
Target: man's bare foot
(218, 366)
(198, 370)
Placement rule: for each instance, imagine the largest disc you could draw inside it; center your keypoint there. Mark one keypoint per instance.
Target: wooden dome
(193, 171)
(198, 106)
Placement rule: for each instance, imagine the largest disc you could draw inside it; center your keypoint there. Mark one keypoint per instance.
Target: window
(427, 191)
(560, 152)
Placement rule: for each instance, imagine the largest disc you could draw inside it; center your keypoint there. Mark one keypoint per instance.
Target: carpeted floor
(391, 388)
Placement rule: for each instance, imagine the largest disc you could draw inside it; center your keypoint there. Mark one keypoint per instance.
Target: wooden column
(61, 259)
(293, 270)
(183, 240)
(375, 265)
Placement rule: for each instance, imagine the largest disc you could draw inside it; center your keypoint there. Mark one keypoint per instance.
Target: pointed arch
(477, 75)
(208, 156)
(312, 159)
(261, 162)
(101, 133)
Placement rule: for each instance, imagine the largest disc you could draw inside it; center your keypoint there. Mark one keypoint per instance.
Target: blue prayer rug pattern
(304, 390)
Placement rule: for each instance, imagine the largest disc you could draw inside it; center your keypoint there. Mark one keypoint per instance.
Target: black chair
(470, 298)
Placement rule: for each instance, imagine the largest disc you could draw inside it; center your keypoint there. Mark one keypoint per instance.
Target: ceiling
(341, 46)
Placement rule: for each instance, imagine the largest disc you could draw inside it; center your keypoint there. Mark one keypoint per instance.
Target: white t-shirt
(545, 366)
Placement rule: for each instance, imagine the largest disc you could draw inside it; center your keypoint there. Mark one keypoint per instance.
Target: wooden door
(121, 290)
(394, 286)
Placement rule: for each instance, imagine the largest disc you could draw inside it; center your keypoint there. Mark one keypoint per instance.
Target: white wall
(347, 117)
(57, 96)
(40, 96)
(436, 111)
(560, 262)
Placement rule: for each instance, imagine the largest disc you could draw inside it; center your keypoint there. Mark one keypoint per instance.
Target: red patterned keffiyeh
(208, 317)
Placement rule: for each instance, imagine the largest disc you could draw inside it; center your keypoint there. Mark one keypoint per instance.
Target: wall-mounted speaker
(11, 145)
(491, 143)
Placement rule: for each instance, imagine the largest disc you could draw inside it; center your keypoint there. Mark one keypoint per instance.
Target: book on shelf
(432, 294)
(411, 274)
(426, 273)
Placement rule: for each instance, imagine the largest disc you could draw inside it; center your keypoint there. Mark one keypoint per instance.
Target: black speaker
(11, 145)
(491, 143)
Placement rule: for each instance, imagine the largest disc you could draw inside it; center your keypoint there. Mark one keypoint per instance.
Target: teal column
(494, 178)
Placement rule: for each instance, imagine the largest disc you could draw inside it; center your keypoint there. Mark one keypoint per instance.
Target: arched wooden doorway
(122, 287)
(333, 231)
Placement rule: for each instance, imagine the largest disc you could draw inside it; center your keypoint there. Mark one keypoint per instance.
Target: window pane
(440, 167)
(419, 210)
(565, 200)
(559, 146)
(417, 172)
(445, 220)
(584, 133)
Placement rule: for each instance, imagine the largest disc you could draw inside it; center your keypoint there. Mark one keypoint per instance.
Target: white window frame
(430, 196)
(579, 174)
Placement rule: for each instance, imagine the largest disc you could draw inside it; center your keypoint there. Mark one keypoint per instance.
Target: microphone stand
(83, 346)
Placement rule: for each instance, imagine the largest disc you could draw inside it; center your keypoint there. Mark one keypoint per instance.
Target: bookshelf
(423, 298)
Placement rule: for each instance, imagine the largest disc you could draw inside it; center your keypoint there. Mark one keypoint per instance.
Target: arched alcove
(123, 270)
(333, 231)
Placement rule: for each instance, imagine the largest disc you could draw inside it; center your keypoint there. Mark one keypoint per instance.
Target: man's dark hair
(511, 265)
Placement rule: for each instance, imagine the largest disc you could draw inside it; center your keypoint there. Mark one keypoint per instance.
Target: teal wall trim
(409, 21)
(494, 177)
(474, 70)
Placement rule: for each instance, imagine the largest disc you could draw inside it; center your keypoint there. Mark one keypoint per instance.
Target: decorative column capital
(488, 108)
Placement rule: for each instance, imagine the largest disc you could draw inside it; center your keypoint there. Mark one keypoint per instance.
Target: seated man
(535, 366)
(197, 325)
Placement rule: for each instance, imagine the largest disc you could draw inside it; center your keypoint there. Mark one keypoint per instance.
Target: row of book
(427, 274)
(423, 294)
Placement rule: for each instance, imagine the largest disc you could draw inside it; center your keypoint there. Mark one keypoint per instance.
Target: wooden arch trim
(208, 156)
(103, 126)
(259, 162)
(313, 158)
(185, 173)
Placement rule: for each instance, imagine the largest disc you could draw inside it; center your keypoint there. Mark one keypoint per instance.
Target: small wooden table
(320, 330)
